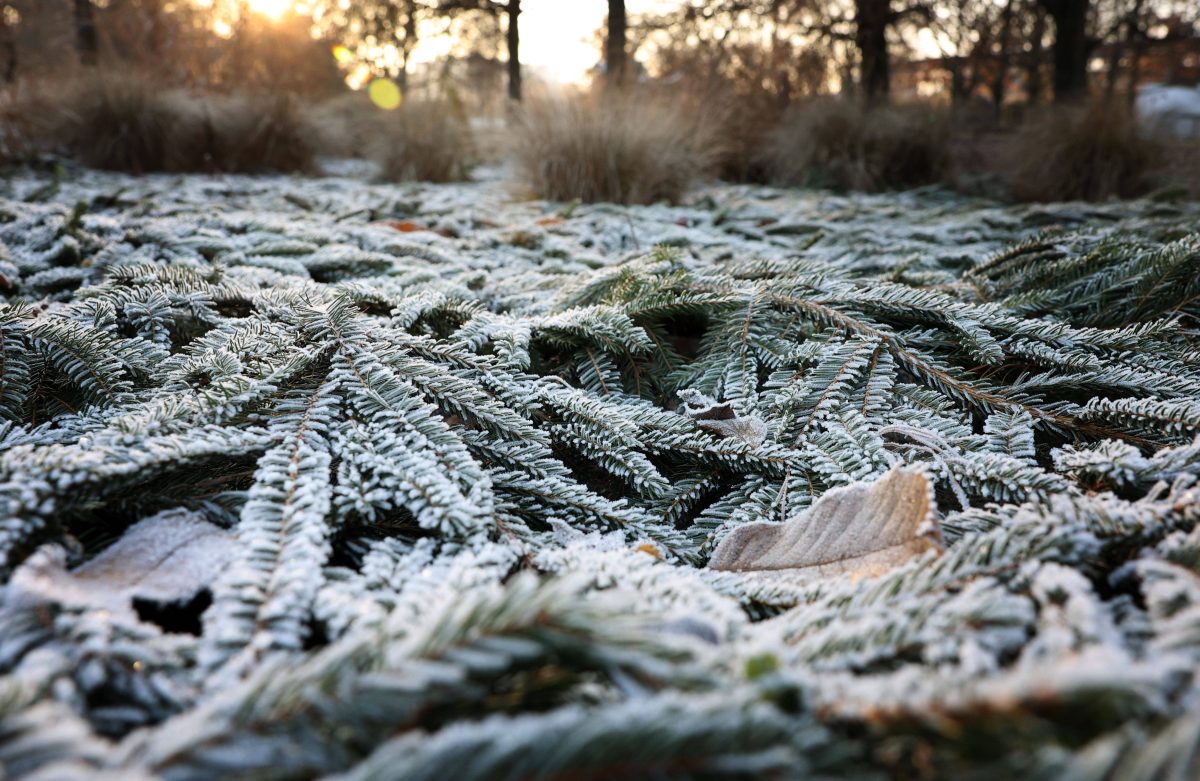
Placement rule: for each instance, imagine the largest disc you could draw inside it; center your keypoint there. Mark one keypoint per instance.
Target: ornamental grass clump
(127, 121)
(845, 145)
(133, 122)
(259, 133)
(422, 140)
(1088, 153)
(611, 148)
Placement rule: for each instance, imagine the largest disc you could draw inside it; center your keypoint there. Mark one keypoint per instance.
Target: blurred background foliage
(849, 94)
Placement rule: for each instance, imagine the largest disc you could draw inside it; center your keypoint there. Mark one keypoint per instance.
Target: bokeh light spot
(358, 76)
(342, 54)
(272, 9)
(385, 94)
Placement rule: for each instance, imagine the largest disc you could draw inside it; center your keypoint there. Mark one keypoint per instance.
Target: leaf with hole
(166, 559)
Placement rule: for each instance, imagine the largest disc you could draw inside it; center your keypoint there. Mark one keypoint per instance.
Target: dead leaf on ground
(405, 226)
(721, 418)
(863, 529)
(167, 558)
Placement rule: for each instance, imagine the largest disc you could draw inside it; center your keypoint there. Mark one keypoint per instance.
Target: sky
(557, 36)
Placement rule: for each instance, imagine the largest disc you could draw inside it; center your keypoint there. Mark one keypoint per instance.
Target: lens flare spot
(358, 76)
(343, 55)
(385, 94)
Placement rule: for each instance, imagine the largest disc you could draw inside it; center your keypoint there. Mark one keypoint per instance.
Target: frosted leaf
(720, 417)
(865, 528)
(166, 558)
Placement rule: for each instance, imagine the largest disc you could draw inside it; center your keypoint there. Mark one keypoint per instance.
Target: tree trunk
(958, 81)
(514, 50)
(1135, 66)
(1133, 44)
(1034, 72)
(1114, 69)
(1000, 81)
(871, 22)
(781, 73)
(410, 43)
(849, 88)
(86, 42)
(156, 30)
(8, 52)
(615, 54)
(1070, 48)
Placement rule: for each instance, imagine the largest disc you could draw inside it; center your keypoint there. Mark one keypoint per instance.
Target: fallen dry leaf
(721, 418)
(650, 549)
(167, 558)
(864, 529)
(406, 226)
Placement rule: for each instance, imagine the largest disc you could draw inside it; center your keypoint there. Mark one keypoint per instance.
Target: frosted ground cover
(314, 477)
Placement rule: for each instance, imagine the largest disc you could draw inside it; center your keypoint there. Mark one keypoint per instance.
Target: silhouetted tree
(1071, 47)
(773, 48)
(390, 24)
(872, 18)
(1033, 70)
(616, 53)
(8, 42)
(510, 11)
(86, 41)
(1003, 54)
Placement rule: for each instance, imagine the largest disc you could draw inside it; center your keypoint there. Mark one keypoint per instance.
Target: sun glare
(274, 9)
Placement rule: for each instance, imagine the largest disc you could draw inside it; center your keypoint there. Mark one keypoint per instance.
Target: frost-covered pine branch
(470, 489)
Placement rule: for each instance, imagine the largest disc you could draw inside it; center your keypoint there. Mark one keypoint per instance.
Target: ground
(305, 476)
(489, 225)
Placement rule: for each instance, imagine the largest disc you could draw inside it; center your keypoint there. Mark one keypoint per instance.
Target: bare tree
(872, 18)
(1133, 32)
(1003, 55)
(616, 53)
(963, 30)
(1071, 47)
(776, 49)
(9, 18)
(390, 24)
(510, 11)
(1034, 61)
(86, 40)
(868, 27)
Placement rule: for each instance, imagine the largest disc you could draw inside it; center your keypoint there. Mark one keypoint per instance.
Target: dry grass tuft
(844, 145)
(1181, 167)
(344, 124)
(257, 133)
(23, 109)
(741, 124)
(423, 140)
(426, 141)
(124, 121)
(1089, 152)
(613, 149)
